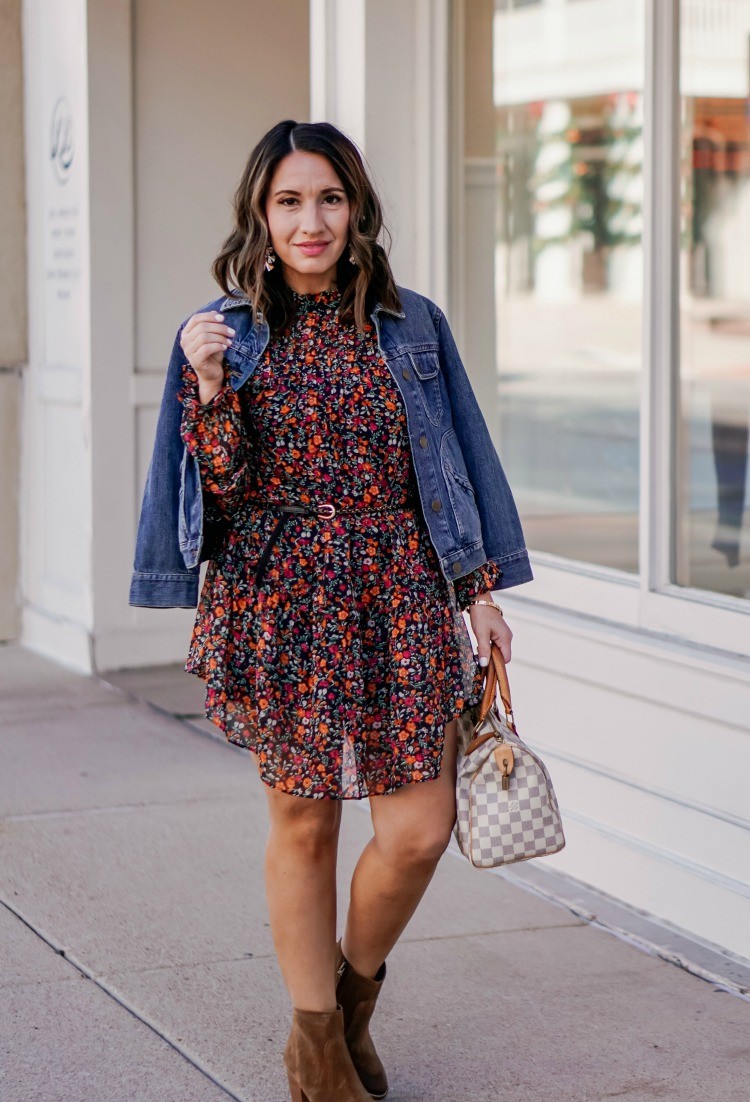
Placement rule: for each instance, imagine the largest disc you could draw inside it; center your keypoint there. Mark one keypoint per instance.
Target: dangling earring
(270, 258)
(352, 258)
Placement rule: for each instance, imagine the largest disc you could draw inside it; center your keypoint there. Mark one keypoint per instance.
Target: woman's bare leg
(301, 895)
(412, 829)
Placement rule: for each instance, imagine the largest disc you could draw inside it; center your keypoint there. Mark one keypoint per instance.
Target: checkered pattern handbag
(506, 806)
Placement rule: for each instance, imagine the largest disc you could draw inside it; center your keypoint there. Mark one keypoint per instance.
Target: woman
(345, 466)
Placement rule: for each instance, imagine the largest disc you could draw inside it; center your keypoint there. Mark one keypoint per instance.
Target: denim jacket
(466, 502)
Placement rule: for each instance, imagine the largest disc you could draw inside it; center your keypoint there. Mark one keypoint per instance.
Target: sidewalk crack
(133, 1010)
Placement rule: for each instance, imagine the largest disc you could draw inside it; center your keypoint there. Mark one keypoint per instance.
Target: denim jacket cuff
(150, 589)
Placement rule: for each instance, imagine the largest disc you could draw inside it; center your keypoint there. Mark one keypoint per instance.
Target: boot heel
(295, 1090)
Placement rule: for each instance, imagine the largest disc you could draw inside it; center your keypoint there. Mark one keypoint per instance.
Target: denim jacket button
(405, 373)
(457, 568)
(437, 505)
(423, 441)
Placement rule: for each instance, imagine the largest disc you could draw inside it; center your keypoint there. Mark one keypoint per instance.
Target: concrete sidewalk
(138, 963)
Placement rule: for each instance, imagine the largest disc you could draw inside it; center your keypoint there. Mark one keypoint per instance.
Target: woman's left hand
(489, 626)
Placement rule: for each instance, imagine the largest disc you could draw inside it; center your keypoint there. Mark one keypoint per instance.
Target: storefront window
(553, 192)
(713, 512)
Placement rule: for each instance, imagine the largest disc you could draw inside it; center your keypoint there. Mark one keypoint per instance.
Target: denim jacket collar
(239, 298)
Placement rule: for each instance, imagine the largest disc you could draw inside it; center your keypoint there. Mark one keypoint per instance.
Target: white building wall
(165, 103)
(647, 736)
(648, 743)
(192, 136)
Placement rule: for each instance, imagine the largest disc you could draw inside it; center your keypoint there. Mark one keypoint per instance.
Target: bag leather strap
(496, 677)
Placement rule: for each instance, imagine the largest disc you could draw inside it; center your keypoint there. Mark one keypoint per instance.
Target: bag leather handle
(496, 677)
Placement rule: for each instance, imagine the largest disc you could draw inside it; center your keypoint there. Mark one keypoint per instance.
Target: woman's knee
(311, 827)
(426, 852)
(419, 846)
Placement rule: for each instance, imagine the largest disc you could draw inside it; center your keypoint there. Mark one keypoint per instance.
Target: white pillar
(78, 445)
(13, 350)
(379, 70)
(57, 612)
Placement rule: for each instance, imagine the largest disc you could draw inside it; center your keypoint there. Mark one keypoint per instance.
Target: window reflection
(553, 157)
(713, 546)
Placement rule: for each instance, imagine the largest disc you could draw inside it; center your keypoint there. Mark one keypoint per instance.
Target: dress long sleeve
(481, 580)
(214, 433)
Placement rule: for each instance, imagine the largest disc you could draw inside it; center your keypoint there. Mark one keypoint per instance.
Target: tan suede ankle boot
(317, 1060)
(357, 996)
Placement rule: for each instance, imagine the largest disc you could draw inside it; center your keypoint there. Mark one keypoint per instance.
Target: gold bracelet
(491, 603)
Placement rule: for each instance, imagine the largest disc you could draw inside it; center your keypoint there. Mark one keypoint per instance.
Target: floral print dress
(340, 667)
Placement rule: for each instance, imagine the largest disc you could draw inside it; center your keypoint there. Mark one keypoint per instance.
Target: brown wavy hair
(241, 262)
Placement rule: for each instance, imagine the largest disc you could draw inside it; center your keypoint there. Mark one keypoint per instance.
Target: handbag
(506, 806)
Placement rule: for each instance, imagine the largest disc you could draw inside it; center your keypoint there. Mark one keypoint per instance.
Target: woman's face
(308, 219)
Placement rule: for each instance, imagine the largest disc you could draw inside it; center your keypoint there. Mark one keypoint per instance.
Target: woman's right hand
(204, 341)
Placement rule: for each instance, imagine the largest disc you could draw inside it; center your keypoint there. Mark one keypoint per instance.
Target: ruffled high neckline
(306, 299)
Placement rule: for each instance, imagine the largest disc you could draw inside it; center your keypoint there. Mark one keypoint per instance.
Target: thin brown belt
(324, 510)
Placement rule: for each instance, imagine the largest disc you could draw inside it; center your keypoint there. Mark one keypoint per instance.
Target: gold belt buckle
(329, 513)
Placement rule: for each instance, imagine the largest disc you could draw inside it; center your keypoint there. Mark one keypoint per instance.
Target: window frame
(649, 601)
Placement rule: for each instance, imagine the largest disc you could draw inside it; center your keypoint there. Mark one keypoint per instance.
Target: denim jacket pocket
(426, 366)
(460, 490)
